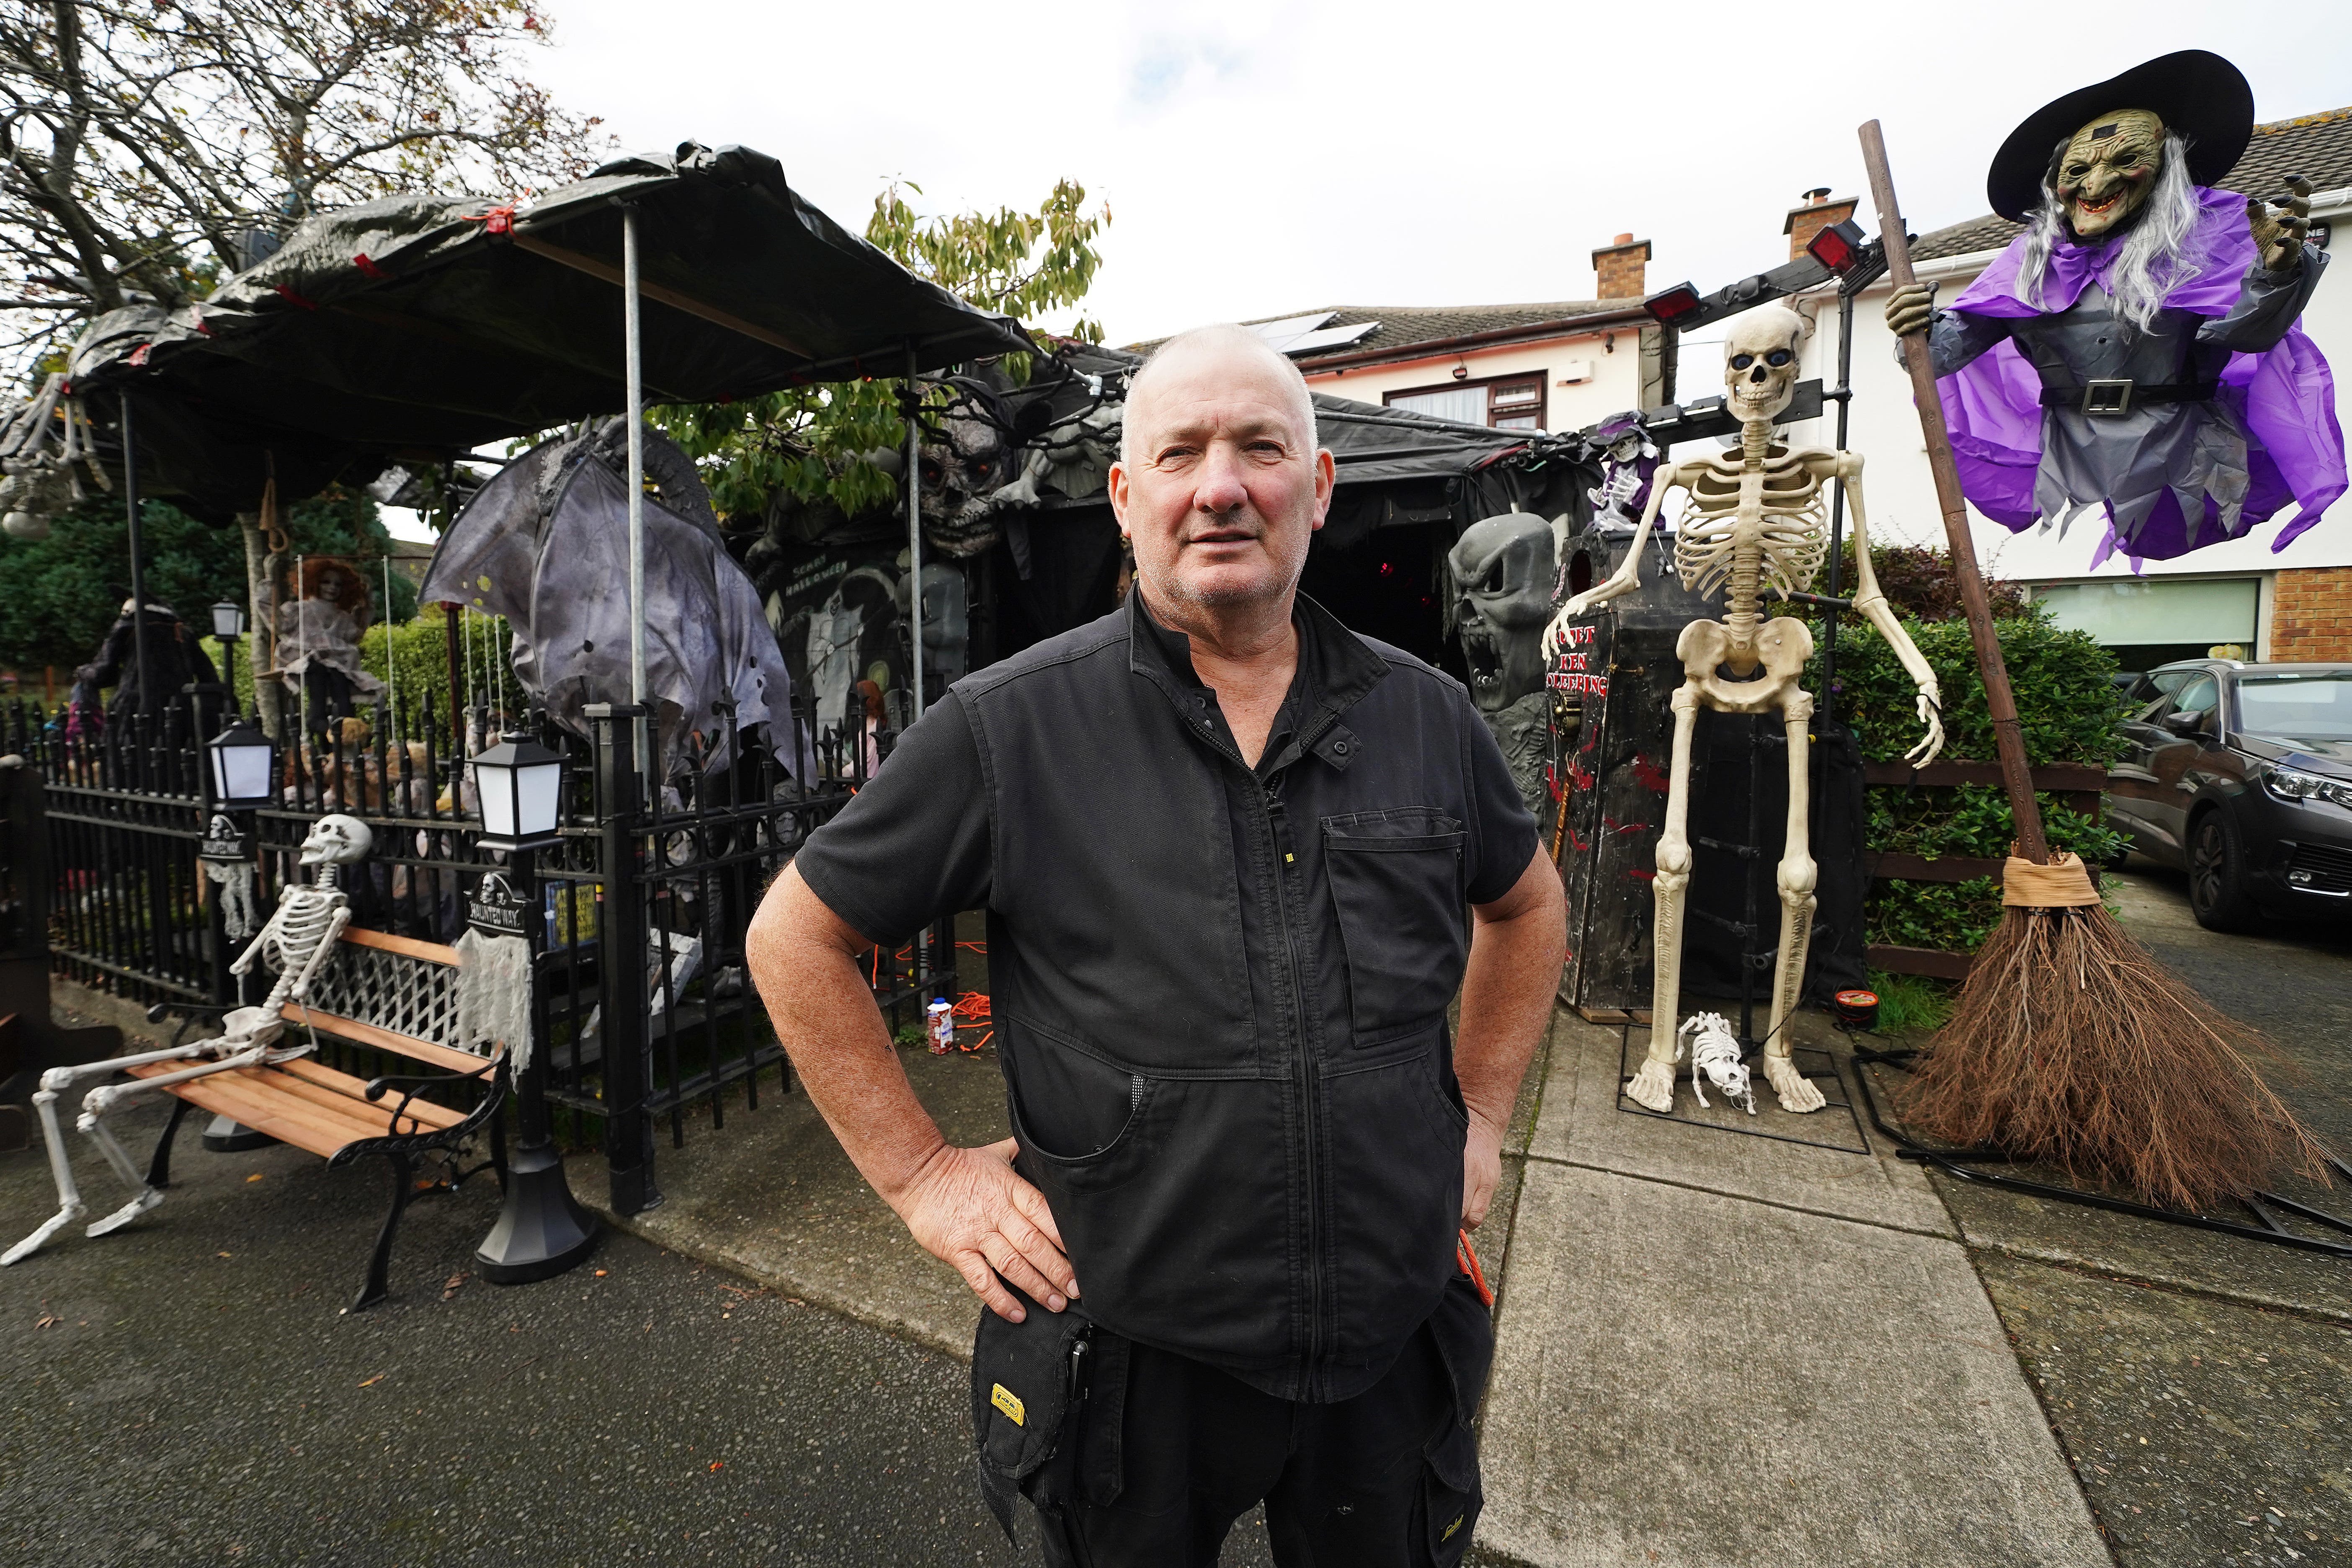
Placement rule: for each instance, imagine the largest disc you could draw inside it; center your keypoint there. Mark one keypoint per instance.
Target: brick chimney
(1816, 213)
(1620, 265)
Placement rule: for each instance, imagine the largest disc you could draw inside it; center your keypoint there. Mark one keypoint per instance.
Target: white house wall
(1614, 356)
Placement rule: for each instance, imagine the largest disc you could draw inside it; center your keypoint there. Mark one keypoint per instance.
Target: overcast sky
(1266, 158)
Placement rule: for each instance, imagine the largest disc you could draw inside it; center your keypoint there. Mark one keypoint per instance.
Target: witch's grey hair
(2155, 258)
(1227, 334)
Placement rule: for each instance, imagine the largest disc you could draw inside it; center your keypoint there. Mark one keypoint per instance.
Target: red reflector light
(1836, 247)
(1670, 305)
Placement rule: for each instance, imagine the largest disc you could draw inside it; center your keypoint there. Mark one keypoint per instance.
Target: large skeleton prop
(298, 938)
(1756, 519)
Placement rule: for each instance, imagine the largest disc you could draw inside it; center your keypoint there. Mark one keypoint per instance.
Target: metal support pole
(1844, 397)
(914, 537)
(630, 330)
(542, 1229)
(629, 1130)
(138, 561)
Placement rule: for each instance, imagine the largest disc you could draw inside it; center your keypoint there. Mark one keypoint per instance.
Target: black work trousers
(1174, 1451)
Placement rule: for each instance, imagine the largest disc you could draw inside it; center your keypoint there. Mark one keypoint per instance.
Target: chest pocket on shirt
(1396, 882)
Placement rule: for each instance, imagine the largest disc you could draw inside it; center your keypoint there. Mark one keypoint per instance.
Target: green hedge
(2068, 709)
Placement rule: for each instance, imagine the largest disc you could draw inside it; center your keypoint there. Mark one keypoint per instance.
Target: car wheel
(2217, 875)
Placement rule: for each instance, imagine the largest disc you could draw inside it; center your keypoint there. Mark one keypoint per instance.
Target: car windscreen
(2311, 706)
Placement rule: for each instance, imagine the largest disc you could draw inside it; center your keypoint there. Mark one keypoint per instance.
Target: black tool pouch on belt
(1028, 1391)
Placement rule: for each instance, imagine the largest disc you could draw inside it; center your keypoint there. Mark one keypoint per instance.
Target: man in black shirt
(1236, 862)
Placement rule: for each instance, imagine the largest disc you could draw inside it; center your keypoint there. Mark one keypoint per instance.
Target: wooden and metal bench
(391, 993)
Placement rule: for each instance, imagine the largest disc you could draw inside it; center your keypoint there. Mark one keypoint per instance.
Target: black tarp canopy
(418, 327)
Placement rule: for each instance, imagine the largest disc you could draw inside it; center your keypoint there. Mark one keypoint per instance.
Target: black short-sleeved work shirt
(1220, 990)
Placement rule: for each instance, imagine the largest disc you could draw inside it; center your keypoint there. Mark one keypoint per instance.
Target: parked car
(2240, 774)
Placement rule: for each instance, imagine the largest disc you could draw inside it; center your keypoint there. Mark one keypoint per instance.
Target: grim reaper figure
(2135, 351)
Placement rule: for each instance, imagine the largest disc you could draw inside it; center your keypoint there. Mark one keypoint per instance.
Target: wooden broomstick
(2069, 1044)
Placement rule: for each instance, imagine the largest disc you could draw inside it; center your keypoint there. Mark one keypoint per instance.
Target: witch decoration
(2135, 351)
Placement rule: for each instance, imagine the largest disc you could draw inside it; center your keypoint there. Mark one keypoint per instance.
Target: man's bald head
(1225, 340)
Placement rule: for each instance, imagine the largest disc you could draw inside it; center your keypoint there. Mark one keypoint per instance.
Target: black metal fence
(641, 1004)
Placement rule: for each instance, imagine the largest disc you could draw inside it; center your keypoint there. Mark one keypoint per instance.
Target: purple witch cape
(2284, 397)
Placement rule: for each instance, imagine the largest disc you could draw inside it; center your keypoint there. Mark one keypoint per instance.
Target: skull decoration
(1501, 572)
(2106, 172)
(1759, 362)
(959, 474)
(337, 840)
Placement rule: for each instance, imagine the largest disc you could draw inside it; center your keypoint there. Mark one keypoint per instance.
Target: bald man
(1236, 862)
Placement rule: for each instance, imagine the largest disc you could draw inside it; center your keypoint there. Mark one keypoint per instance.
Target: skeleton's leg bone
(69, 1204)
(1654, 1084)
(98, 1101)
(144, 1198)
(54, 1082)
(1798, 875)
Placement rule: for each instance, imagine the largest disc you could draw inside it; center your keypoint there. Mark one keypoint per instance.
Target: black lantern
(244, 766)
(229, 620)
(520, 786)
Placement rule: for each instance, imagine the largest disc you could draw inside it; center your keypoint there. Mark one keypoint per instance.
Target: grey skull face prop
(1501, 572)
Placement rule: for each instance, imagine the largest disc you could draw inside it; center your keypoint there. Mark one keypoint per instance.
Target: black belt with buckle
(2122, 395)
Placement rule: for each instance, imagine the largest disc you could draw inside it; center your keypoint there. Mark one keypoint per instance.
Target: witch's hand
(1910, 308)
(2279, 240)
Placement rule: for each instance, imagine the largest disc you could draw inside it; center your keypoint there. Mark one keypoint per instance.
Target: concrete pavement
(1717, 1351)
(1714, 1350)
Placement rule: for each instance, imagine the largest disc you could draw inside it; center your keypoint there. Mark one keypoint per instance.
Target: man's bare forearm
(1508, 990)
(804, 958)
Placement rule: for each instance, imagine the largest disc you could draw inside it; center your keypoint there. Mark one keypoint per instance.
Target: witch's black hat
(2200, 96)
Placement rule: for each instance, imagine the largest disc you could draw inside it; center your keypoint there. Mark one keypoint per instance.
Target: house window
(1501, 403)
(1516, 405)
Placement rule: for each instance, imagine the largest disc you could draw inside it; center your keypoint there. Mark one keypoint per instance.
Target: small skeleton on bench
(253, 1064)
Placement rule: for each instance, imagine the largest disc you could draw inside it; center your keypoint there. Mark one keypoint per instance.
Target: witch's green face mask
(2108, 168)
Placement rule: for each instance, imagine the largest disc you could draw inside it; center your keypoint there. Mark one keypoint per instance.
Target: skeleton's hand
(1931, 714)
(2280, 243)
(1910, 308)
(1555, 635)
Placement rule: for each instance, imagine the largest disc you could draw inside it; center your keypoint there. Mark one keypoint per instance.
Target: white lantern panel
(494, 786)
(537, 797)
(241, 773)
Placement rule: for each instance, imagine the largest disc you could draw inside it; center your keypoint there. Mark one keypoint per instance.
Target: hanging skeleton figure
(298, 938)
(1757, 520)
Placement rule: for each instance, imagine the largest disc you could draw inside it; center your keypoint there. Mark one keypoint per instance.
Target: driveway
(2198, 1383)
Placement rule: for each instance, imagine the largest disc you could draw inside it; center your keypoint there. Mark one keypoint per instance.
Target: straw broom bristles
(2070, 1045)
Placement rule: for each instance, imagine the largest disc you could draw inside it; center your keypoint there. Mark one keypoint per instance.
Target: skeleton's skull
(1759, 362)
(1502, 570)
(2105, 174)
(337, 840)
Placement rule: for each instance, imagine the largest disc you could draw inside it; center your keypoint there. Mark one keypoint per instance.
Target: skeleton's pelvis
(1781, 646)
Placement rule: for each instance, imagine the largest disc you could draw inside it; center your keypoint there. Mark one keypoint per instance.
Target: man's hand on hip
(1482, 1167)
(971, 1211)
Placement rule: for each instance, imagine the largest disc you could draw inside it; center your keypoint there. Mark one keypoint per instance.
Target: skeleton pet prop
(298, 938)
(1756, 518)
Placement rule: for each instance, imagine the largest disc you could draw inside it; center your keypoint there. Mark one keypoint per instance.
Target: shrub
(2068, 709)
